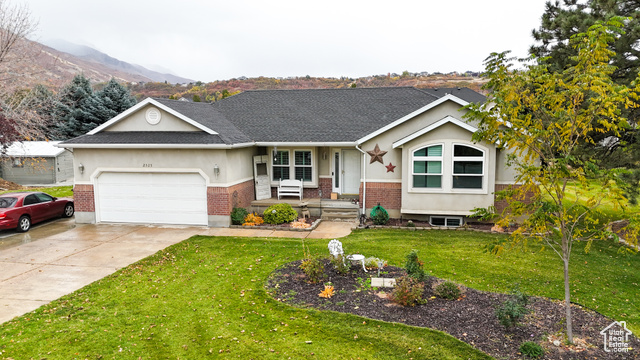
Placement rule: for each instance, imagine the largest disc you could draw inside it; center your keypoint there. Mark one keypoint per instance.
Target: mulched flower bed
(284, 226)
(471, 318)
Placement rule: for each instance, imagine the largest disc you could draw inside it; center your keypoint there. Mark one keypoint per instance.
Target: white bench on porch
(290, 188)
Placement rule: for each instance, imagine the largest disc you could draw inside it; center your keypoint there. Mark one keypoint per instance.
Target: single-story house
(36, 162)
(408, 149)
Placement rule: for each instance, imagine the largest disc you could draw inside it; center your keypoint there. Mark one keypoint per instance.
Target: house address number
(147, 165)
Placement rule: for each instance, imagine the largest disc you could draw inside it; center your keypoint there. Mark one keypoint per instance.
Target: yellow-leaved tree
(540, 118)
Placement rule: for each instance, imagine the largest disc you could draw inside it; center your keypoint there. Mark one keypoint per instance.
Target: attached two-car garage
(151, 197)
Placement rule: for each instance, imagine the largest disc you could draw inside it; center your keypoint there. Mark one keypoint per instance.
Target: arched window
(468, 167)
(427, 167)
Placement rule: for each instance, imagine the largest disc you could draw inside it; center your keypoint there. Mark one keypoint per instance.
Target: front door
(351, 172)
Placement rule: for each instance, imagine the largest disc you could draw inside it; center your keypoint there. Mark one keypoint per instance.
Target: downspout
(364, 181)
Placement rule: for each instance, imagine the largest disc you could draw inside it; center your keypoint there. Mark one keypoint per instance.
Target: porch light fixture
(216, 170)
(81, 168)
(275, 153)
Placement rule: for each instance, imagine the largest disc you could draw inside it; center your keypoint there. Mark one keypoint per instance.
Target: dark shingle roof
(325, 115)
(310, 115)
(151, 137)
(463, 93)
(206, 115)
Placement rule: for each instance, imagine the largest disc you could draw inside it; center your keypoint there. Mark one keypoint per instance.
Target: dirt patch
(471, 319)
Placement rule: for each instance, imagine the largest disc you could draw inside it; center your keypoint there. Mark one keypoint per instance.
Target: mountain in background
(44, 65)
(91, 55)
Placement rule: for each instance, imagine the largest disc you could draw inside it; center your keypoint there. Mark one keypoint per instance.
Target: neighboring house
(409, 149)
(36, 162)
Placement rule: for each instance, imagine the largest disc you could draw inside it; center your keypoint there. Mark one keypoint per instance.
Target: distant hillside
(216, 90)
(94, 56)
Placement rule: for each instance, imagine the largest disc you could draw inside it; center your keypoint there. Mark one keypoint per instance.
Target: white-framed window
(280, 166)
(450, 221)
(293, 164)
(17, 163)
(303, 166)
(427, 167)
(467, 167)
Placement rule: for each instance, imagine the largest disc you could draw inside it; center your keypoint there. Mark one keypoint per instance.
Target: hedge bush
(279, 214)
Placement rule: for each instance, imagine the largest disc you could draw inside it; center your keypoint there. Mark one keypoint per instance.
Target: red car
(21, 209)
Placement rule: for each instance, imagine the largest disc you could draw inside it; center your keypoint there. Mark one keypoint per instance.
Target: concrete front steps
(340, 211)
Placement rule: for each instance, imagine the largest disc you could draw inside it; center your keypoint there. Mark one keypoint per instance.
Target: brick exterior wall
(502, 204)
(326, 185)
(221, 200)
(389, 195)
(83, 198)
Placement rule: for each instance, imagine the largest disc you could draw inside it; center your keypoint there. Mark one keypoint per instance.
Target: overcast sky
(217, 40)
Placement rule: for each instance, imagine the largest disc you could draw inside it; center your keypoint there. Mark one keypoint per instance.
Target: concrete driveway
(64, 257)
(59, 257)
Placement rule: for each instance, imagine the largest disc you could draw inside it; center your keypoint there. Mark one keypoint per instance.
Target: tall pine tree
(80, 109)
(71, 110)
(563, 19)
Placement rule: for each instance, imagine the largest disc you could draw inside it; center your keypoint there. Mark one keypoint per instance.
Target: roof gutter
(156, 146)
(364, 181)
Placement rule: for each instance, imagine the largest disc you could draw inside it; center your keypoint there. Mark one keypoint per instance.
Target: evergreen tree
(81, 110)
(71, 110)
(562, 20)
(105, 104)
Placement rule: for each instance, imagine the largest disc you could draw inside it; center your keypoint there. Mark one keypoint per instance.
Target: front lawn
(206, 297)
(56, 191)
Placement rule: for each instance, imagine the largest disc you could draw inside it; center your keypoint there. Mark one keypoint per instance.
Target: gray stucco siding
(447, 200)
(137, 122)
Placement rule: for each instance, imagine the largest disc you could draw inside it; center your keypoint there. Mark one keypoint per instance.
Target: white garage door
(155, 198)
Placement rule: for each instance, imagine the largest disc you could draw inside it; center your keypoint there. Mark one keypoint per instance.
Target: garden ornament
(335, 248)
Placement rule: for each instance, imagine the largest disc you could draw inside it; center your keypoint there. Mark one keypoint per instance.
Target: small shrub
(514, 309)
(280, 214)
(327, 292)
(252, 220)
(531, 349)
(371, 263)
(447, 290)
(519, 296)
(414, 266)
(410, 224)
(238, 215)
(313, 268)
(408, 291)
(511, 312)
(379, 215)
(341, 264)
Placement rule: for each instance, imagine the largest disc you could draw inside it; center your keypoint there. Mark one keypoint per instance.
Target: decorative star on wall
(390, 167)
(376, 155)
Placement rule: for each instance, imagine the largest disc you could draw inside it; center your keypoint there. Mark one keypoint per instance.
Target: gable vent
(153, 116)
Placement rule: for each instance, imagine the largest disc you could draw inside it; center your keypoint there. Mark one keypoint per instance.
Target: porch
(326, 209)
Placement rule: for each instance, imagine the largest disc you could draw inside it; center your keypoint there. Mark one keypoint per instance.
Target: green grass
(610, 210)
(205, 297)
(56, 191)
(605, 279)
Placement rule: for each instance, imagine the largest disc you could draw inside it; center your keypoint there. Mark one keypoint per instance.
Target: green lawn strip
(605, 279)
(205, 297)
(610, 211)
(56, 191)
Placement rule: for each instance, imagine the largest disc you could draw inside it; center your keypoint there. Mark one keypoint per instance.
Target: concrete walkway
(59, 258)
